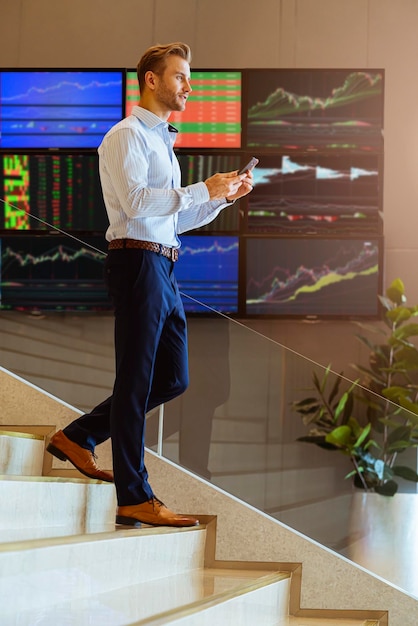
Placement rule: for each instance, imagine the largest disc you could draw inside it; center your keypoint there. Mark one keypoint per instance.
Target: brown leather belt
(121, 244)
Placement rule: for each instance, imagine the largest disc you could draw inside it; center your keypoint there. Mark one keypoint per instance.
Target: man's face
(173, 85)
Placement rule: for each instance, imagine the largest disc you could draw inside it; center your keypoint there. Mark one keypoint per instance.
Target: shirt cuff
(199, 193)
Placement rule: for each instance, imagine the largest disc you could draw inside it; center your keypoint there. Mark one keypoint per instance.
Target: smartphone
(250, 166)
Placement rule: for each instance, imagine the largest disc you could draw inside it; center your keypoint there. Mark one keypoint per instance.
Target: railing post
(160, 430)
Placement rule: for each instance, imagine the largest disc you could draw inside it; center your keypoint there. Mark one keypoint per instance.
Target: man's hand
(229, 185)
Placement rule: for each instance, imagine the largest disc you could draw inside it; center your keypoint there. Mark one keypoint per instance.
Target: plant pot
(383, 537)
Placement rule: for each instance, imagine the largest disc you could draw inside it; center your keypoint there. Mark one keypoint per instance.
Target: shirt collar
(150, 119)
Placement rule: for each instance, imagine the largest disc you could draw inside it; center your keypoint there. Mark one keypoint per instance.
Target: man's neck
(150, 105)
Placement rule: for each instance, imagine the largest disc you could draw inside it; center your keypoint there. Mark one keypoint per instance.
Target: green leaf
(371, 444)
(318, 440)
(378, 379)
(350, 474)
(412, 408)
(405, 472)
(387, 489)
(348, 409)
(400, 446)
(409, 330)
(398, 315)
(363, 436)
(407, 357)
(306, 405)
(345, 405)
(401, 433)
(316, 382)
(356, 429)
(387, 303)
(366, 341)
(340, 436)
(396, 291)
(394, 392)
(335, 389)
(322, 386)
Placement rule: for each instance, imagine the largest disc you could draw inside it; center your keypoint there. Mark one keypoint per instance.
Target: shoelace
(155, 501)
(94, 457)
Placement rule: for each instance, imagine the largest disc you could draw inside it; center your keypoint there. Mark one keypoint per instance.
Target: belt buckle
(173, 255)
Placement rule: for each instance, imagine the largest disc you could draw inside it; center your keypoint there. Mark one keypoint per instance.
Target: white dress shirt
(141, 183)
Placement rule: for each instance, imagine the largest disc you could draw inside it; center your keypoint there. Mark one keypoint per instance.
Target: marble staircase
(63, 561)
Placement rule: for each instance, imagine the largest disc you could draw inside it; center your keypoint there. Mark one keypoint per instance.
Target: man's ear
(150, 79)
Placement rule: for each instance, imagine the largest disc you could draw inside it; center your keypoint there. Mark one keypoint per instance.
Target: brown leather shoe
(153, 512)
(84, 460)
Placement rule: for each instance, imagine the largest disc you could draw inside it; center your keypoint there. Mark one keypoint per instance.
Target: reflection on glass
(235, 425)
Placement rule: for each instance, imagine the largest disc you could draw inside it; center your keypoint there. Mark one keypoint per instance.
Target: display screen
(59, 108)
(207, 273)
(212, 118)
(313, 277)
(45, 191)
(315, 109)
(306, 242)
(312, 193)
(56, 273)
(198, 167)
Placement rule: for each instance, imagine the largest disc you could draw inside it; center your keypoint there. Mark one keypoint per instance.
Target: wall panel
(76, 33)
(331, 33)
(238, 34)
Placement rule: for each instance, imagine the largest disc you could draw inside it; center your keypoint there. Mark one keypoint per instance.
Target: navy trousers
(151, 364)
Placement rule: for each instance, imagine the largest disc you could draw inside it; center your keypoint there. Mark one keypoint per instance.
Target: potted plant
(374, 419)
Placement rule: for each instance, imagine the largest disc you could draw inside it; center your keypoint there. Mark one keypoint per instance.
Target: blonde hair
(154, 59)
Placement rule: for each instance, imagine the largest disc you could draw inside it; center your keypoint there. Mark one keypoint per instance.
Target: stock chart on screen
(53, 273)
(58, 108)
(46, 190)
(207, 272)
(315, 109)
(318, 277)
(310, 193)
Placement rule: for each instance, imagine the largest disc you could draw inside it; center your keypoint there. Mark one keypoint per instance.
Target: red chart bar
(212, 118)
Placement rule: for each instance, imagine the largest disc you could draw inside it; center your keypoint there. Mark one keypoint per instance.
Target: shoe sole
(128, 521)
(136, 523)
(63, 457)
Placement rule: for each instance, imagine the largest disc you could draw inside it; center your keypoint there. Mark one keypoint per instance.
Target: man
(147, 209)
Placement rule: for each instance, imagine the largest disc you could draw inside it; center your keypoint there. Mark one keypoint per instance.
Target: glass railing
(240, 424)
(294, 439)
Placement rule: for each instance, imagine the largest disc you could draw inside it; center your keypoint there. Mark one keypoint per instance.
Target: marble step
(259, 600)
(200, 596)
(249, 610)
(38, 574)
(37, 507)
(291, 620)
(21, 454)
